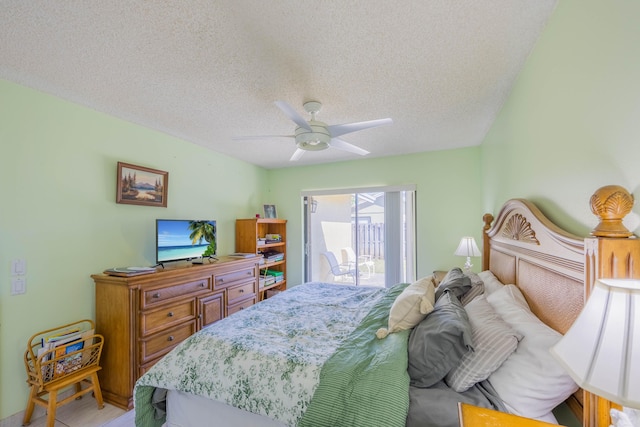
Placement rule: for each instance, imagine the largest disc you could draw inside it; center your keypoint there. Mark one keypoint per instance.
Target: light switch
(18, 267)
(18, 285)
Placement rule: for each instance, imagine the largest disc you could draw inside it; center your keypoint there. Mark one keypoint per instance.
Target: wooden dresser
(143, 317)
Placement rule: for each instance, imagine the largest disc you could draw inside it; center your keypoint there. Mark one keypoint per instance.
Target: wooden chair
(58, 358)
(475, 416)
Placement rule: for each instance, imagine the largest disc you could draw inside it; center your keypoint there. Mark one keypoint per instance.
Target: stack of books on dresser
(243, 255)
(129, 271)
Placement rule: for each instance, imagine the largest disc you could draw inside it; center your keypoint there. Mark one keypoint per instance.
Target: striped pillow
(477, 288)
(493, 341)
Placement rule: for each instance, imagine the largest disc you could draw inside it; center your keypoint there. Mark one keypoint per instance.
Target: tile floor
(78, 413)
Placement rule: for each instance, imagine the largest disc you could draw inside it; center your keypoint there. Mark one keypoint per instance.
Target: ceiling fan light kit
(316, 139)
(314, 135)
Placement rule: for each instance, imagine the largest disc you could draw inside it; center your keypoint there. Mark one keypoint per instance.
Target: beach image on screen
(175, 242)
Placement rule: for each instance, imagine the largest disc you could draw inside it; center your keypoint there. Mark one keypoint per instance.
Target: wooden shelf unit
(248, 231)
(143, 317)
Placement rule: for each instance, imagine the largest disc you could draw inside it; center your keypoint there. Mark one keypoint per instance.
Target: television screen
(178, 239)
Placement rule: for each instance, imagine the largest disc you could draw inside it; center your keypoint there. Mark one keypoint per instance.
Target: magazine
(129, 271)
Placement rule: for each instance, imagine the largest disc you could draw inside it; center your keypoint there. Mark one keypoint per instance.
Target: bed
(343, 362)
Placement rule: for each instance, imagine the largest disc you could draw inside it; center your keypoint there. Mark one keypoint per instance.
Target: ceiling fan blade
(293, 114)
(345, 146)
(249, 137)
(339, 130)
(296, 156)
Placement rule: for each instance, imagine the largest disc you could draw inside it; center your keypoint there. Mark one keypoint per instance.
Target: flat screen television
(181, 239)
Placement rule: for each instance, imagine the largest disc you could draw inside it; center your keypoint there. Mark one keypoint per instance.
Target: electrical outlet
(18, 285)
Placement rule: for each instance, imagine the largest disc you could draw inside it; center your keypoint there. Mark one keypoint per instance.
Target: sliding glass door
(360, 236)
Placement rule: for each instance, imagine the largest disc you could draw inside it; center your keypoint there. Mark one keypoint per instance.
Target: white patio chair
(337, 270)
(364, 261)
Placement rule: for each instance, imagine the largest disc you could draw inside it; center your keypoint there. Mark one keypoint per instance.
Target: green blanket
(365, 383)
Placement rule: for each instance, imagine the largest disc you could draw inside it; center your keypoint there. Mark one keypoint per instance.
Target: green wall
(447, 191)
(58, 211)
(572, 122)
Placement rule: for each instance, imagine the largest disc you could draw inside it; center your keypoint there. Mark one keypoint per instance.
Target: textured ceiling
(207, 70)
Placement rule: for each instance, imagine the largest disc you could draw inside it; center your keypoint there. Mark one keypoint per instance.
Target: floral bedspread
(265, 359)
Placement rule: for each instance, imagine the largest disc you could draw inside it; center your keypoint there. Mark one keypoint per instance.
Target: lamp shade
(467, 247)
(601, 350)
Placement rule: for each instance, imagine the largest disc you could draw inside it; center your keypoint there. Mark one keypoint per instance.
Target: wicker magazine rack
(58, 358)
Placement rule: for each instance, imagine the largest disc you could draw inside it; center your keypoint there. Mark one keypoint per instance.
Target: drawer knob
(241, 308)
(156, 295)
(202, 285)
(170, 314)
(241, 291)
(170, 338)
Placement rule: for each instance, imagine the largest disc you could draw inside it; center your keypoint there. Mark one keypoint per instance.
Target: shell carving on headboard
(518, 228)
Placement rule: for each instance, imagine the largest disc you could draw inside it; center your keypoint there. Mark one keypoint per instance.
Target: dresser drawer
(240, 306)
(166, 317)
(240, 292)
(226, 279)
(161, 343)
(152, 297)
(211, 309)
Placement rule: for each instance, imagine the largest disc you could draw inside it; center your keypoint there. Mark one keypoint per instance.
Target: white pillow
(530, 381)
(410, 307)
(491, 282)
(493, 341)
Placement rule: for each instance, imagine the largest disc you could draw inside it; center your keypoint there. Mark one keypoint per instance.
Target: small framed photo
(270, 211)
(138, 185)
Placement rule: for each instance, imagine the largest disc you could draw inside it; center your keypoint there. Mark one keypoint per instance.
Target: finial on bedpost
(611, 204)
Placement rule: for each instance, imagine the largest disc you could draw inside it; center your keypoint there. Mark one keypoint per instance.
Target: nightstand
(474, 416)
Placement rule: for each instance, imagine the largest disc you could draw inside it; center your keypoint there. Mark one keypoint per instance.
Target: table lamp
(468, 248)
(601, 350)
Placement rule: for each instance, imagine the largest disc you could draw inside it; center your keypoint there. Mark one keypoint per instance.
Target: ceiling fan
(314, 135)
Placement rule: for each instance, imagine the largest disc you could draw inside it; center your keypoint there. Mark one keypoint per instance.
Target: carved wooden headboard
(523, 247)
(556, 270)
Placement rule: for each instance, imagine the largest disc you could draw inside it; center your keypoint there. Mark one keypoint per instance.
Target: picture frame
(270, 211)
(139, 185)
